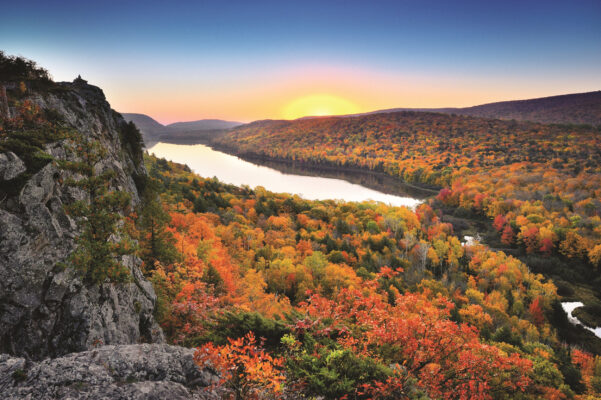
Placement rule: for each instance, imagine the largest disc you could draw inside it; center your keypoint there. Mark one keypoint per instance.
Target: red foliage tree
(508, 235)
(536, 312)
(499, 222)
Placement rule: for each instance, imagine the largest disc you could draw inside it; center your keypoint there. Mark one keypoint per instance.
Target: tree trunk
(4, 110)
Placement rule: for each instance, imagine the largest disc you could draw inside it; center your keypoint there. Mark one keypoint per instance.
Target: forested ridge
(539, 183)
(575, 108)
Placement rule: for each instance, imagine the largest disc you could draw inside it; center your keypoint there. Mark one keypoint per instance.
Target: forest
(539, 184)
(346, 300)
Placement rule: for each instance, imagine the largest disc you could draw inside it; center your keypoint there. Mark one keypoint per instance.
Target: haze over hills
(204, 124)
(153, 131)
(577, 108)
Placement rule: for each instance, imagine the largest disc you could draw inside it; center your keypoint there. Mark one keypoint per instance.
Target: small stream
(471, 240)
(569, 307)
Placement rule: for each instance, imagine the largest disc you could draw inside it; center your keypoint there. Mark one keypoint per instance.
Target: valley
(327, 257)
(233, 170)
(300, 200)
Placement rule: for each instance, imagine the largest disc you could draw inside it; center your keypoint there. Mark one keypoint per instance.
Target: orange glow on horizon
(310, 90)
(318, 105)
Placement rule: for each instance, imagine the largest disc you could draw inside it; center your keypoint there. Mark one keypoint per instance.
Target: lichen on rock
(11, 166)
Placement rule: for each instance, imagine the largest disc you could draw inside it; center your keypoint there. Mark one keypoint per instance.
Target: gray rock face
(45, 310)
(11, 166)
(89, 337)
(111, 372)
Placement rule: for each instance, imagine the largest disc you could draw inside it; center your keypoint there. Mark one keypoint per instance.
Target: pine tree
(97, 251)
(211, 277)
(156, 243)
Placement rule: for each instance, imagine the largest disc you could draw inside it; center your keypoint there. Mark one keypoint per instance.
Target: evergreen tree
(156, 243)
(211, 277)
(132, 137)
(97, 249)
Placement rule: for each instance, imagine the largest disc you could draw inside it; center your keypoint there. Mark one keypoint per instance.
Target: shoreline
(375, 180)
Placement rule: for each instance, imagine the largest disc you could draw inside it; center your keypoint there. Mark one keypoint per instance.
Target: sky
(250, 60)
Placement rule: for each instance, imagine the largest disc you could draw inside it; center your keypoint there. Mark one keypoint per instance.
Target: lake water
(230, 169)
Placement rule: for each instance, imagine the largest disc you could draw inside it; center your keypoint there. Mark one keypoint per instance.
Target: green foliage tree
(333, 374)
(572, 375)
(211, 277)
(102, 241)
(131, 136)
(237, 323)
(156, 243)
(19, 68)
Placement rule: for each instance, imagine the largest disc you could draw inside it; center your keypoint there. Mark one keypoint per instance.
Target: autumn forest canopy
(537, 186)
(540, 183)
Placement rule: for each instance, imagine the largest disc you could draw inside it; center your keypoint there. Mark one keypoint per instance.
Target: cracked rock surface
(45, 310)
(11, 166)
(59, 337)
(145, 371)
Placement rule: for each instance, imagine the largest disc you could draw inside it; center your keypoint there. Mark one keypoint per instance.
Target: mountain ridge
(62, 333)
(581, 108)
(53, 312)
(185, 131)
(574, 108)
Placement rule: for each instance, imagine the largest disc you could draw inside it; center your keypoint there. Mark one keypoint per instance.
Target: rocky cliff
(46, 310)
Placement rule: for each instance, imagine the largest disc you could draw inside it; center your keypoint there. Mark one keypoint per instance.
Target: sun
(318, 105)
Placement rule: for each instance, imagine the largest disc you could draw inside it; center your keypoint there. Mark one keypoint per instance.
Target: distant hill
(148, 126)
(578, 108)
(203, 124)
(430, 145)
(178, 132)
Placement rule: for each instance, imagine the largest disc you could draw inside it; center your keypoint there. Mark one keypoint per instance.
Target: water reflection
(372, 180)
(230, 169)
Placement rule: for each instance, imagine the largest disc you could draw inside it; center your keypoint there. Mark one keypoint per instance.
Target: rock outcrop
(146, 371)
(11, 166)
(45, 309)
(61, 337)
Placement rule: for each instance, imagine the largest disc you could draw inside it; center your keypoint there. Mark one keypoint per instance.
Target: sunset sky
(249, 60)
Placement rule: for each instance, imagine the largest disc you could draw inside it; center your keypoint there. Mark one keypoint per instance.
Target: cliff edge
(63, 336)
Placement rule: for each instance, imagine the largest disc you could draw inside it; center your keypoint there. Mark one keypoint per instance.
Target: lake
(209, 163)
